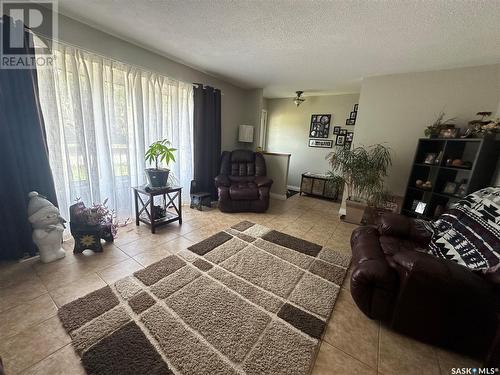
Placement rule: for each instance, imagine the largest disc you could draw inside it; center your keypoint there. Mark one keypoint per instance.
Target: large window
(100, 116)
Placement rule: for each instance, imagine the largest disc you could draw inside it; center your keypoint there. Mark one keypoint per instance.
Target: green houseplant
(159, 151)
(362, 171)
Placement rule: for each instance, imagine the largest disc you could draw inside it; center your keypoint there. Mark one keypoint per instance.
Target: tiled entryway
(34, 342)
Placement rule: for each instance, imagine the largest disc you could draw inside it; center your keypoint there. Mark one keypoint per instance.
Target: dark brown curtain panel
(207, 136)
(24, 163)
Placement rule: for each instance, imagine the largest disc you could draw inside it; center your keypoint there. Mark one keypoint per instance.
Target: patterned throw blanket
(469, 233)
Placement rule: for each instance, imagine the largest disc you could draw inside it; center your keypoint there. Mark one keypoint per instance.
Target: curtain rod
(115, 60)
(197, 84)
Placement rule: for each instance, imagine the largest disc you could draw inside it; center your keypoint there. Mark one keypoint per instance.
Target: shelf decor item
(449, 133)
(439, 124)
(430, 158)
(320, 126)
(362, 171)
(450, 188)
(159, 151)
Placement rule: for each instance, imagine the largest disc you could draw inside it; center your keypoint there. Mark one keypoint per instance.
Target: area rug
(247, 300)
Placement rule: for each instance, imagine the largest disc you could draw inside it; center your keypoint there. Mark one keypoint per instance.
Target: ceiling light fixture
(298, 100)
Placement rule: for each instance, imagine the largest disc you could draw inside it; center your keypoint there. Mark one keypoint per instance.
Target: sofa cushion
(244, 191)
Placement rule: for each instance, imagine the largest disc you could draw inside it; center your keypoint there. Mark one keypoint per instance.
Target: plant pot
(157, 178)
(354, 211)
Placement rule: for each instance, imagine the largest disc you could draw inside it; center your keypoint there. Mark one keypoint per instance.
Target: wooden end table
(144, 211)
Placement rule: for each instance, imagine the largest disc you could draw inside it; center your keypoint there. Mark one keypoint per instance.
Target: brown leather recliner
(429, 298)
(242, 182)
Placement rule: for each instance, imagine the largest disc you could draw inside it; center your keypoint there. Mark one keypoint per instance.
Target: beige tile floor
(34, 342)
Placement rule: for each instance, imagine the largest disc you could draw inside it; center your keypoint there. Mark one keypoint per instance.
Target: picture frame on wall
(343, 132)
(349, 137)
(347, 145)
(320, 125)
(321, 143)
(355, 109)
(350, 121)
(353, 115)
(340, 140)
(336, 129)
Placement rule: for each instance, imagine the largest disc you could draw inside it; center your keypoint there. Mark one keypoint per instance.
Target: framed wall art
(343, 132)
(336, 129)
(347, 145)
(349, 136)
(320, 126)
(340, 140)
(350, 121)
(321, 143)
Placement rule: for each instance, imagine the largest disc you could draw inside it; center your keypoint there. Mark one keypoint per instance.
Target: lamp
(245, 133)
(298, 100)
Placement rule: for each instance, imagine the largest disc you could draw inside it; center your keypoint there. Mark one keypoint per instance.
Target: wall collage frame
(320, 127)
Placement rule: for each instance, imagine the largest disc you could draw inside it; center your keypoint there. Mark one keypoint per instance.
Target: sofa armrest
(431, 271)
(222, 180)
(374, 284)
(437, 296)
(262, 181)
(396, 225)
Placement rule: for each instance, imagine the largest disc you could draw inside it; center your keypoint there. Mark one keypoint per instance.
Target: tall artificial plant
(160, 151)
(362, 171)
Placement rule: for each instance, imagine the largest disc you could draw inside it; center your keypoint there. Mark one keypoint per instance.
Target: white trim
(294, 188)
(342, 211)
(281, 197)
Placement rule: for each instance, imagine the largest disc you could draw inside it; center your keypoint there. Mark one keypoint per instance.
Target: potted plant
(159, 151)
(362, 171)
(439, 124)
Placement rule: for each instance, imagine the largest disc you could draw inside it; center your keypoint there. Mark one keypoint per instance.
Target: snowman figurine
(47, 227)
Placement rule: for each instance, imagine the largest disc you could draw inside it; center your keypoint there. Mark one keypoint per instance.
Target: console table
(145, 211)
(318, 185)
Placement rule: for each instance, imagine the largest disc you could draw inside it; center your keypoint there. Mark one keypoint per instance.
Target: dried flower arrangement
(99, 214)
(439, 124)
(482, 126)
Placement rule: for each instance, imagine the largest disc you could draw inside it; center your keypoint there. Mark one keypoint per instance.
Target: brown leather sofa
(242, 183)
(435, 300)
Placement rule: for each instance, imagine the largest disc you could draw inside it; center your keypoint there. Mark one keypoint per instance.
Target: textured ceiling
(315, 46)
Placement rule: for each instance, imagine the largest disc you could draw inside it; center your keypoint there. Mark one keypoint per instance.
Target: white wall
(288, 130)
(236, 108)
(396, 109)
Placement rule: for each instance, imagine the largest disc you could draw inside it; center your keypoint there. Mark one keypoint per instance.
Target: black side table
(145, 211)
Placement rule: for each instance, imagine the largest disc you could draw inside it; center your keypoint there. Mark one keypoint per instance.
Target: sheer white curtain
(100, 116)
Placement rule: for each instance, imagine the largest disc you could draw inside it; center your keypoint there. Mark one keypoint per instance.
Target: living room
(240, 187)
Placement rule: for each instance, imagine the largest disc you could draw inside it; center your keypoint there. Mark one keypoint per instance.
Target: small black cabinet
(479, 156)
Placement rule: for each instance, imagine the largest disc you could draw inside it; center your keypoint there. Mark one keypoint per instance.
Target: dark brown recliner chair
(242, 182)
(431, 299)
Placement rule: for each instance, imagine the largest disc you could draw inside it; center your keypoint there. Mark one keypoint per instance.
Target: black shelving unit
(481, 153)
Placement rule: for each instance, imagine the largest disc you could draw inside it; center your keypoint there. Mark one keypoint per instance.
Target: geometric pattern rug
(247, 300)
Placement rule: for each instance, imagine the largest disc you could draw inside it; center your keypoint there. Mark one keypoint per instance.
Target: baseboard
(294, 188)
(281, 197)
(342, 211)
